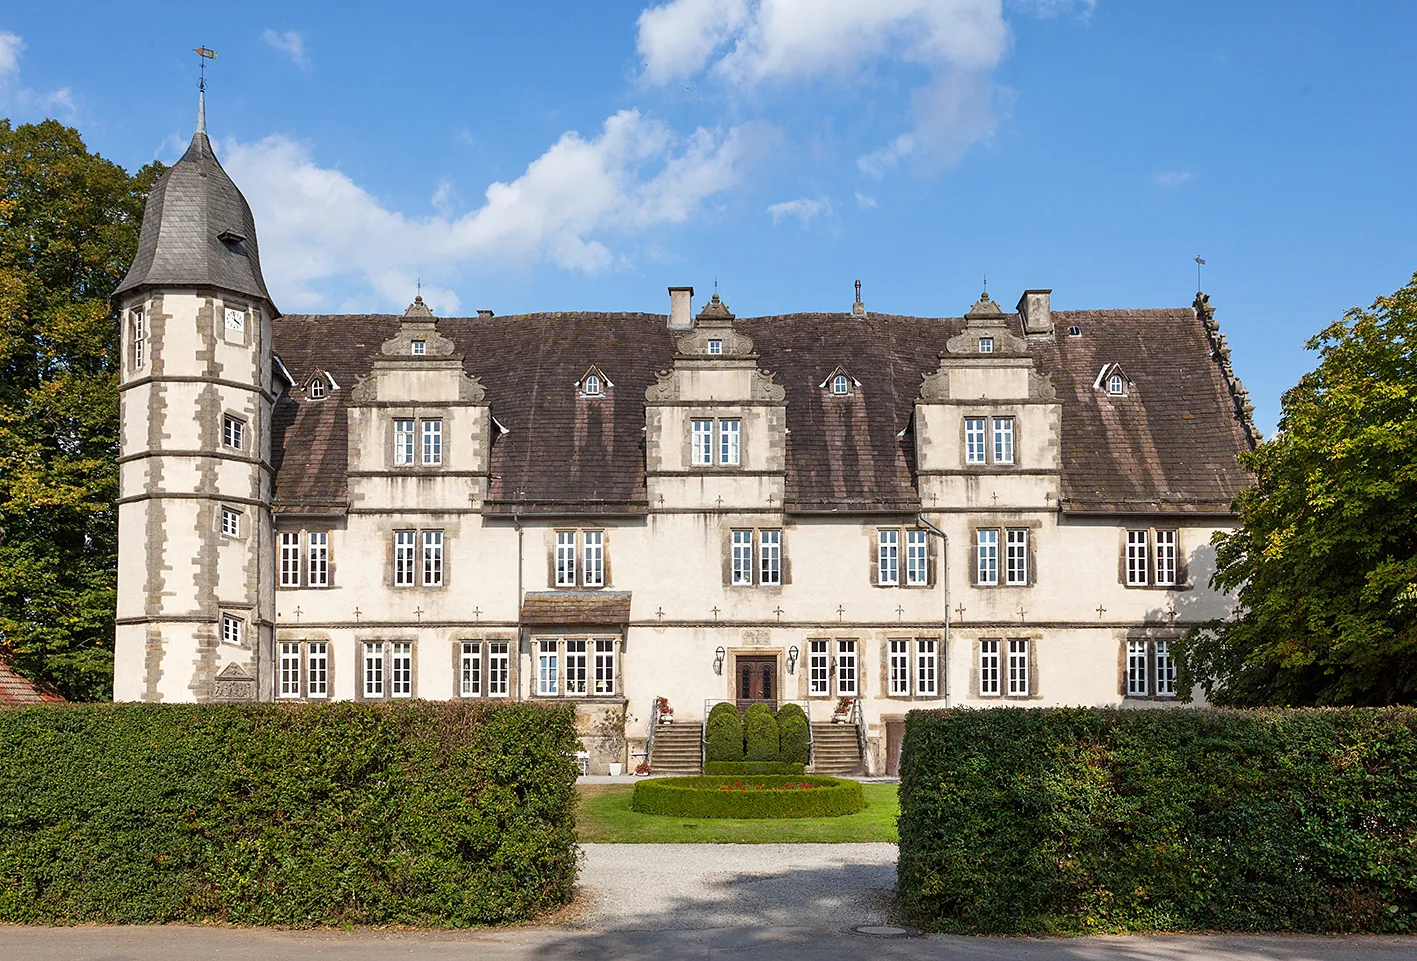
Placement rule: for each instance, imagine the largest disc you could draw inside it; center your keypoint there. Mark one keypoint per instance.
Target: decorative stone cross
(840, 610)
(995, 495)
(899, 612)
(778, 611)
(297, 613)
(1020, 612)
(660, 613)
(771, 497)
(959, 611)
(1100, 611)
(661, 500)
(934, 499)
(715, 612)
(356, 615)
(1172, 613)
(719, 501)
(477, 613)
(418, 612)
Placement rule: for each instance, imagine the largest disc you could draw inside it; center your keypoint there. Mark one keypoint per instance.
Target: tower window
(986, 345)
(233, 432)
(230, 522)
(420, 347)
(839, 384)
(591, 386)
(140, 340)
(232, 629)
(317, 389)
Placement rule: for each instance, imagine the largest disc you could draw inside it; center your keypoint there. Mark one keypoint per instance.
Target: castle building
(859, 512)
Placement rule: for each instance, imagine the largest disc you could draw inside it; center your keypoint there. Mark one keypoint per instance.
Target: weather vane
(206, 55)
(1200, 262)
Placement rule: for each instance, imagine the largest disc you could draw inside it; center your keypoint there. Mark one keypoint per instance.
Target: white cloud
(804, 209)
(1052, 8)
(319, 228)
(1173, 178)
(291, 43)
(865, 201)
(19, 97)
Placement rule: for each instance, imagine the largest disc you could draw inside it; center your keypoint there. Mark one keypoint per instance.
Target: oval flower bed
(748, 796)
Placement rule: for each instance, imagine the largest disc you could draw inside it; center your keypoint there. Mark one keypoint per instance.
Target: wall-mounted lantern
(792, 653)
(718, 657)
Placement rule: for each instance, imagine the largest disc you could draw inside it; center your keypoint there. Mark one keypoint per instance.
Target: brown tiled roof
(607, 608)
(1169, 445)
(16, 689)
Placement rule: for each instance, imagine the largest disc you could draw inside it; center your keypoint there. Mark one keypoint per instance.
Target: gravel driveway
(656, 887)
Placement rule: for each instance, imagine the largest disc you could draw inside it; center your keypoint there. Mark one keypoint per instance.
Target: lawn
(604, 815)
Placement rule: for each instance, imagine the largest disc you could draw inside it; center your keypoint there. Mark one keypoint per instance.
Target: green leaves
(1324, 563)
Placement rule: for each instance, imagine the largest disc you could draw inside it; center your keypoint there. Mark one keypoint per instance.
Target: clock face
(235, 319)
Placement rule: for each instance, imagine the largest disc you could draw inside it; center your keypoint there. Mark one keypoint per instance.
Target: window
(432, 558)
(1116, 386)
(974, 440)
(770, 557)
(1166, 558)
(575, 666)
(591, 386)
(742, 567)
(899, 667)
(702, 442)
(470, 670)
(230, 522)
(289, 669)
(235, 319)
(1016, 557)
(917, 562)
(373, 670)
(818, 668)
(1165, 670)
(1136, 558)
(986, 345)
(594, 558)
(317, 389)
(1003, 440)
(432, 442)
(989, 668)
(728, 442)
(498, 669)
(401, 670)
(846, 668)
(289, 558)
(403, 443)
(565, 558)
(1136, 669)
(1074, 331)
(419, 347)
(232, 629)
(888, 558)
(547, 669)
(605, 665)
(926, 668)
(403, 558)
(319, 569)
(839, 384)
(317, 669)
(140, 340)
(232, 432)
(1018, 667)
(987, 568)
(715, 347)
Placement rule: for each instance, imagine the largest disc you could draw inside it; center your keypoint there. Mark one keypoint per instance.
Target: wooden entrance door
(756, 681)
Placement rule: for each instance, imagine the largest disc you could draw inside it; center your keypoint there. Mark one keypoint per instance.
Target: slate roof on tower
(1170, 445)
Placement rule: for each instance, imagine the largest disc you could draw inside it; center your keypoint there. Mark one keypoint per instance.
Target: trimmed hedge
(794, 735)
(724, 737)
(710, 797)
(1075, 820)
(759, 733)
(752, 767)
(441, 814)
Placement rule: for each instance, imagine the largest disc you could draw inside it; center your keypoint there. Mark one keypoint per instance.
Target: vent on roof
(1074, 331)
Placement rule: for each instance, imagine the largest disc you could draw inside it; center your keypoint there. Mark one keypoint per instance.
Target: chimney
(484, 314)
(681, 308)
(1037, 314)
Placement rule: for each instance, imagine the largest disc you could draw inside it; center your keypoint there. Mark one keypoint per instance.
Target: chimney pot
(1036, 310)
(681, 308)
(484, 314)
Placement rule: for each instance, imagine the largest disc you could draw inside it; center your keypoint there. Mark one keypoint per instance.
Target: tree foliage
(1324, 561)
(69, 224)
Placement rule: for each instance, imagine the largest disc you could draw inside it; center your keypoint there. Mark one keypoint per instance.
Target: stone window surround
(560, 639)
(874, 542)
(1033, 526)
(388, 643)
(242, 433)
(989, 463)
(1151, 674)
(304, 642)
(1003, 637)
(418, 585)
(240, 615)
(833, 657)
(139, 337)
(715, 441)
(302, 559)
(913, 655)
(484, 644)
(578, 554)
(239, 517)
(755, 560)
(1183, 573)
(418, 415)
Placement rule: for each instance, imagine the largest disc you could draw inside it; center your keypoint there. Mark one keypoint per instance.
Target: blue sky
(585, 156)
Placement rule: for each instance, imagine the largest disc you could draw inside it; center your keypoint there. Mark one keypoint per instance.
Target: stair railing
(649, 741)
(858, 718)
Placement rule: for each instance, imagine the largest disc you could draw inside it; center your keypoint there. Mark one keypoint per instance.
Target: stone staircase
(835, 750)
(677, 748)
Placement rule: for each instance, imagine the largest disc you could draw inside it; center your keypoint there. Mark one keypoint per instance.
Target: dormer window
(1116, 385)
(715, 346)
(986, 345)
(840, 385)
(591, 387)
(1113, 380)
(317, 389)
(1074, 331)
(420, 347)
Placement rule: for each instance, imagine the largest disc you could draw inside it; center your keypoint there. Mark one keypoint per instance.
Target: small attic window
(420, 347)
(1074, 331)
(715, 347)
(986, 345)
(591, 386)
(1116, 385)
(317, 388)
(840, 385)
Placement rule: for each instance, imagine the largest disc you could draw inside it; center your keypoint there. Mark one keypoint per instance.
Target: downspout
(945, 592)
(517, 523)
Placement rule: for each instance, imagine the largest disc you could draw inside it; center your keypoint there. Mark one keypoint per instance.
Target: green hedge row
(723, 735)
(721, 797)
(757, 735)
(1075, 820)
(794, 733)
(419, 813)
(752, 767)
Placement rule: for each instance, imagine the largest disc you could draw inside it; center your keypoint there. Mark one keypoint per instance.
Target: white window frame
(917, 558)
(230, 521)
(1003, 440)
(986, 345)
(432, 442)
(565, 558)
(847, 675)
(888, 557)
(140, 339)
(317, 571)
(470, 669)
(730, 441)
(372, 669)
(317, 669)
(405, 558)
(840, 385)
(233, 630)
(577, 666)
(418, 348)
(975, 446)
(317, 389)
(593, 573)
(432, 556)
(401, 669)
(603, 680)
(741, 558)
(1166, 553)
(989, 667)
(1016, 556)
(499, 669)
(701, 433)
(1116, 385)
(1137, 663)
(548, 667)
(591, 386)
(770, 557)
(233, 432)
(927, 667)
(898, 667)
(288, 670)
(405, 432)
(289, 558)
(1138, 558)
(1018, 667)
(715, 347)
(818, 668)
(1165, 670)
(986, 556)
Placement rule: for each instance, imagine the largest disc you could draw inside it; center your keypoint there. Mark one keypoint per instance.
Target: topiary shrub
(752, 767)
(724, 734)
(794, 735)
(760, 734)
(748, 797)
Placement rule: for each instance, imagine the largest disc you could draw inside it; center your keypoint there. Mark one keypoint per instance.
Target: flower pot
(616, 769)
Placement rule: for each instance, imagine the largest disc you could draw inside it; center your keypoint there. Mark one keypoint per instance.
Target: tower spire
(206, 55)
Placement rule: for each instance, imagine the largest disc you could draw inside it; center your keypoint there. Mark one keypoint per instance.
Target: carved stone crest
(665, 387)
(765, 389)
(234, 684)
